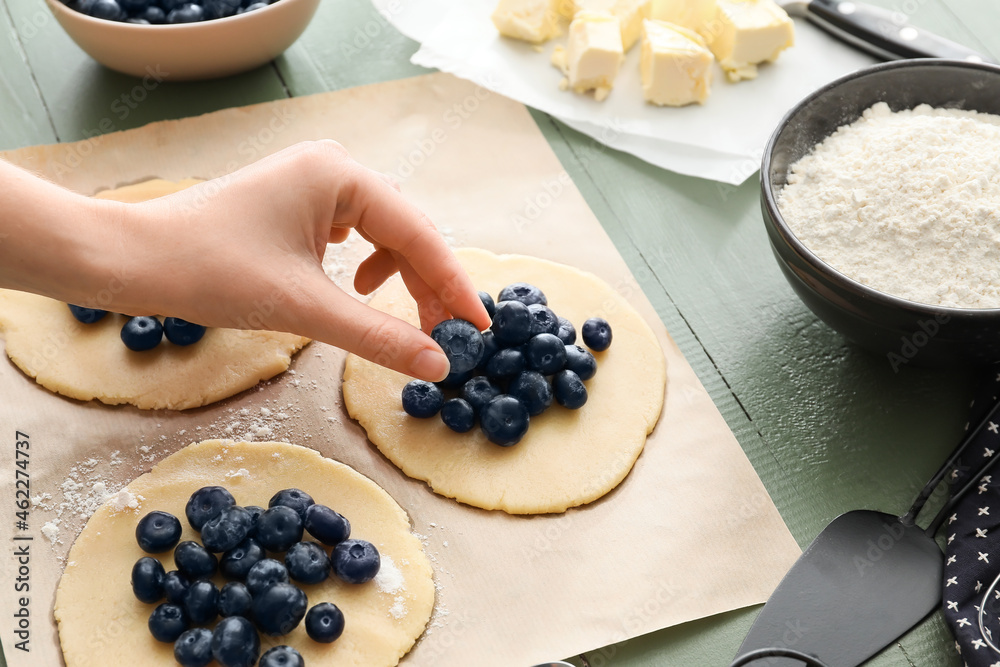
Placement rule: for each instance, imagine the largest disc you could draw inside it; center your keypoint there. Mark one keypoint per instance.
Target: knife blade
(883, 33)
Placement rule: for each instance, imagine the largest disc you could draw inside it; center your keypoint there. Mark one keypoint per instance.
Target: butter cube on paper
(533, 21)
(676, 65)
(747, 32)
(630, 13)
(593, 55)
(692, 14)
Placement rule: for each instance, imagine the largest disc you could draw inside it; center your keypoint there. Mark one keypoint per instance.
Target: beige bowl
(189, 51)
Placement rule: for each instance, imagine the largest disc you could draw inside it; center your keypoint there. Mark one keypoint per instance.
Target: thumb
(334, 317)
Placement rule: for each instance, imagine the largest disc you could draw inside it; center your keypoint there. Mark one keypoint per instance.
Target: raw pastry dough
(102, 624)
(88, 361)
(568, 457)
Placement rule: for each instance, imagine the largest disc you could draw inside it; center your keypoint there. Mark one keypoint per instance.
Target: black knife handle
(883, 33)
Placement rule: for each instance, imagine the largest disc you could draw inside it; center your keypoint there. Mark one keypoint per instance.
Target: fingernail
(430, 364)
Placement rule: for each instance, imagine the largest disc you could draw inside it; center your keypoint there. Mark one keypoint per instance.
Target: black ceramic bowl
(903, 332)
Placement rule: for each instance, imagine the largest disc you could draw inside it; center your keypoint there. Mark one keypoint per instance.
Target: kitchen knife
(885, 34)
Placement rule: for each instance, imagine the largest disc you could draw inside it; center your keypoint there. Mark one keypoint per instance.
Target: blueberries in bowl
(156, 12)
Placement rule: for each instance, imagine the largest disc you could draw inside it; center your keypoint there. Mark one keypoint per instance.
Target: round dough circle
(102, 624)
(568, 457)
(89, 361)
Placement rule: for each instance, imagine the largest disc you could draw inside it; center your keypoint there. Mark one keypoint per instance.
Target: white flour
(907, 203)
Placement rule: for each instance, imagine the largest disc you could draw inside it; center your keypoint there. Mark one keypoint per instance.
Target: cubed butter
(747, 32)
(692, 14)
(630, 13)
(533, 21)
(566, 8)
(676, 65)
(593, 54)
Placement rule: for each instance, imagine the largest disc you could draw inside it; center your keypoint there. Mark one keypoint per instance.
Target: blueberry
(158, 532)
(511, 324)
(307, 563)
(458, 415)
(545, 353)
(206, 503)
(580, 361)
(543, 320)
(106, 9)
(195, 561)
(279, 609)
(453, 379)
(504, 420)
(227, 529)
(462, 344)
(478, 392)
(167, 622)
(147, 579)
(137, 21)
(153, 14)
(255, 513)
(194, 648)
(220, 9)
(325, 623)
(279, 528)
(234, 600)
(82, 6)
(264, 574)
(182, 332)
(597, 334)
(281, 656)
(566, 332)
(505, 364)
(422, 399)
(533, 390)
(170, 5)
(297, 499)
(355, 561)
(87, 315)
(569, 390)
(142, 333)
(175, 585)
(523, 292)
(488, 304)
(326, 525)
(490, 347)
(201, 602)
(189, 13)
(253, 7)
(236, 562)
(235, 642)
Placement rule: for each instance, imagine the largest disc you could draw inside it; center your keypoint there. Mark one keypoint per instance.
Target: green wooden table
(827, 426)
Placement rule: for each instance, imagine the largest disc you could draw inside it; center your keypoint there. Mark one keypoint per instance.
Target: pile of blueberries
(258, 595)
(144, 333)
(511, 372)
(155, 12)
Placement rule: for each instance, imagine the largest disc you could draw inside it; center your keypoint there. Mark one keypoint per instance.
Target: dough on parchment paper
(89, 361)
(101, 624)
(568, 457)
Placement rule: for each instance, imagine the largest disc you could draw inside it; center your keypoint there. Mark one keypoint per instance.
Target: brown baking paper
(690, 532)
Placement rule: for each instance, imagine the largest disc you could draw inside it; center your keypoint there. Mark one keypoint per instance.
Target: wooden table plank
(26, 121)
(86, 99)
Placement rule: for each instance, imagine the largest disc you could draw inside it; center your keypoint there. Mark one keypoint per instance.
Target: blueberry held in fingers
(355, 561)
(158, 532)
(462, 344)
(141, 334)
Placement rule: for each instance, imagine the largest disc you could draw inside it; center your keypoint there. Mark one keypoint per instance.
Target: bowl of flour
(881, 196)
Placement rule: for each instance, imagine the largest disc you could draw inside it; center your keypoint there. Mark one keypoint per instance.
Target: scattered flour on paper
(907, 203)
(390, 580)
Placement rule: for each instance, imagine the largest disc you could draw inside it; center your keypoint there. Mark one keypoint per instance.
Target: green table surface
(828, 427)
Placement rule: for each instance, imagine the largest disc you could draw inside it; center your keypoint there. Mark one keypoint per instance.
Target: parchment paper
(717, 140)
(689, 533)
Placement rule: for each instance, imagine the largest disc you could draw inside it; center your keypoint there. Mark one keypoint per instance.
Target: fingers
(374, 270)
(331, 316)
(391, 222)
(339, 234)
